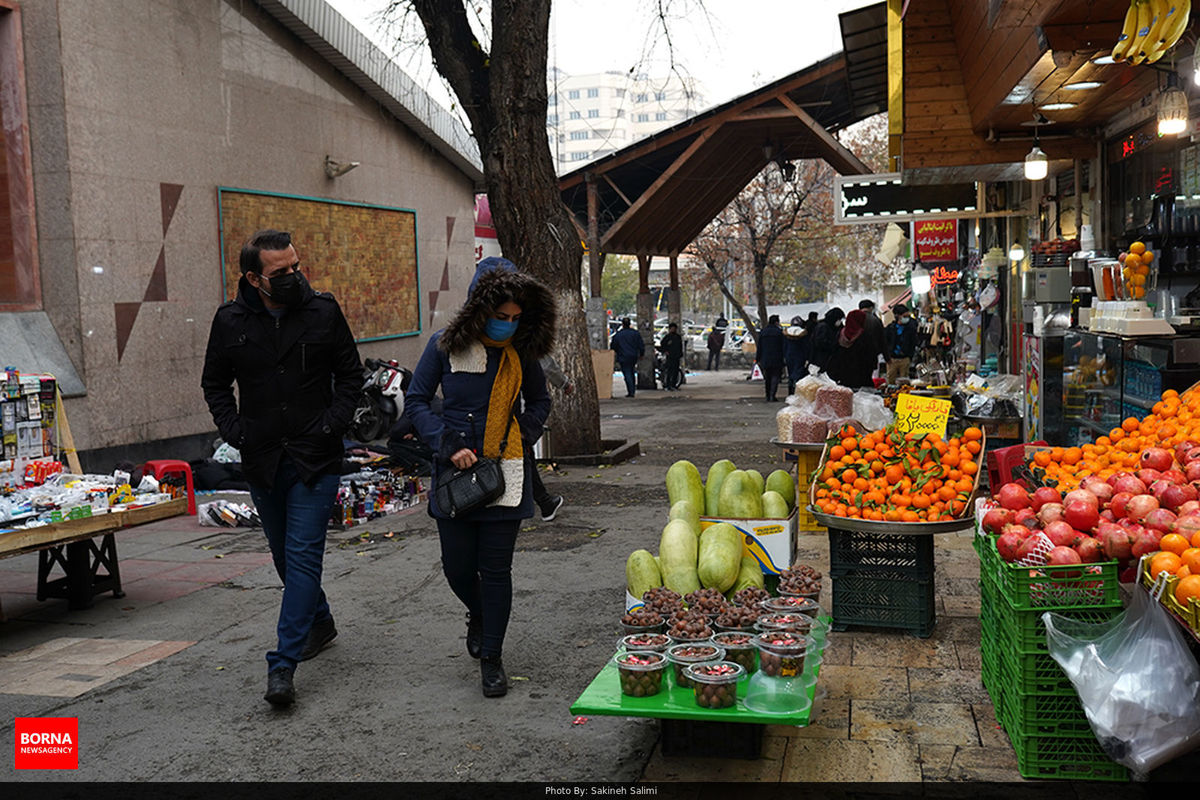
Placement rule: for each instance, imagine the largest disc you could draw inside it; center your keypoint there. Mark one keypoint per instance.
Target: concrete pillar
(645, 324)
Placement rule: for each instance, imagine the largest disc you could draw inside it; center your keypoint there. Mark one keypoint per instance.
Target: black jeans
(714, 355)
(540, 495)
(477, 560)
(671, 378)
(771, 376)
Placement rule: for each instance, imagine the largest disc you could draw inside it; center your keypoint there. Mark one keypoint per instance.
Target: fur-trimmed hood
(494, 284)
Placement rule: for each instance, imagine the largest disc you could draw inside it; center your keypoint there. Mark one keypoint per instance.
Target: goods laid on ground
(890, 476)
(371, 494)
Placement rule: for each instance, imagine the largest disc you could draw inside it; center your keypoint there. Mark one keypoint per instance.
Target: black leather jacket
(298, 379)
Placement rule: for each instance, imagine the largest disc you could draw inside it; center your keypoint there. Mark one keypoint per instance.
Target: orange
(894, 473)
(1130, 424)
(1042, 458)
(1147, 257)
(1174, 543)
(1183, 572)
(973, 447)
(972, 434)
(1164, 561)
(1188, 589)
(1191, 559)
(836, 452)
(1137, 248)
(1196, 539)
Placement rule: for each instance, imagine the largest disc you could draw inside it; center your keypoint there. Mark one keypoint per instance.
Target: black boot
(493, 678)
(280, 691)
(474, 636)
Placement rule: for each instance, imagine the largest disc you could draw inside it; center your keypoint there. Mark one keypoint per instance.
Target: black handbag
(462, 491)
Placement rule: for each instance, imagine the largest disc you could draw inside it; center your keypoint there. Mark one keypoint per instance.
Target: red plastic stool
(1002, 462)
(168, 468)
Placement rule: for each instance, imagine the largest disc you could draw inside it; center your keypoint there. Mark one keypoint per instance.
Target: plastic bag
(870, 410)
(227, 454)
(806, 387)
(1137, 680)
(834, 402)
(809, 429)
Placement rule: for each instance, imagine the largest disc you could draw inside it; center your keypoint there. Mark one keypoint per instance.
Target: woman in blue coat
(486, 363)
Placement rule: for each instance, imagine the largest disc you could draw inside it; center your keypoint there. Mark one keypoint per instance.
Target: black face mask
(287, 290)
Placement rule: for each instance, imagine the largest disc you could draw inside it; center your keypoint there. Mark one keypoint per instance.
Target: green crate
(1043, 715)
(1066, 759)
(882, 599)
(1048, 588)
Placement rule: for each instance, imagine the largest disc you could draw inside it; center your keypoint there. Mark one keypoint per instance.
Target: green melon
(757, 477)
(740, 498)
(782, 481)
(712, 488)
(683, 483)
(686, 511)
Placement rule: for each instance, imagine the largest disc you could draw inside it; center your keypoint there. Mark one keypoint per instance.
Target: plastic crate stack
(807, 462)
(1034, 700)
(882, 581)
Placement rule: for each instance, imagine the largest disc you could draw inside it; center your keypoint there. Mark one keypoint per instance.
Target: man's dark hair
(671, 325)
(865, 304)
(773, 319)
(250, 260)
(813, 315)
(625, 322)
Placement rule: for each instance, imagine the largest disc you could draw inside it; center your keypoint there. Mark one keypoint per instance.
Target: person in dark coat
(825, 337)
(629, 347)
(769, 356)
(901, 343)
(293, 357)
(855, 360)
(486, 364)
(874, 331)
(671, 346)
(716, 343)
(795, 352)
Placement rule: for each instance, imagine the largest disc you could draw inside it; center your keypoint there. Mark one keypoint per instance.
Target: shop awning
(655, 196)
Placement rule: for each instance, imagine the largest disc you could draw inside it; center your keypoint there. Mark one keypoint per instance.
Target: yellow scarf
(500, 404)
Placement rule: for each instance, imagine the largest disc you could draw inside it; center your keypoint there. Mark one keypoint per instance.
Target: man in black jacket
(769, 356)
(298, 374)
(671, 346)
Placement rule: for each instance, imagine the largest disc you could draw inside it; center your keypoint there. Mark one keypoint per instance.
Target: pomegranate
(1081, 516)
(995, 519)
(1174, 476)
(1029, 550)
(1145, 542)
(1181, 450)
(1117, 506)
(1139, 506)
(1191, 455)
(1192, 471)
(1158, 487)
(1147, 475)
(1100, 488)
(1187, 525)
(1156, 458)
(1127, 575)
(1082, 496)
(1026, 517)
(1089, 550)
(1189, 507)
(1050, 512)
(1175, 496)
(1108, 515)
(1061, 557)
(1160, 519)
(1116, 476)
(1008, 544)
(1020, 531)
(1013, 495)
(1116, 542)
(1130, 484)
(1061, 533)
(1043, 495)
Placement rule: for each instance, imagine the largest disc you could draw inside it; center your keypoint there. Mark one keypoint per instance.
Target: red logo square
(46, 743)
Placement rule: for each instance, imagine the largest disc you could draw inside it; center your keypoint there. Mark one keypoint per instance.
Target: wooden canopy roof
(655, 196)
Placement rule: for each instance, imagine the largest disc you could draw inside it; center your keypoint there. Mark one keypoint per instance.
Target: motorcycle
(382, 399)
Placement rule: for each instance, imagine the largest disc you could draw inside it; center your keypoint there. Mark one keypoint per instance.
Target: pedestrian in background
(855, 359)
(873, 330)
(629, 347)
(901, 338)
(671, 346)
(716, 343)
(795, 352)
(769, 356)
(494, 391)
(825, 337)
(293, 358)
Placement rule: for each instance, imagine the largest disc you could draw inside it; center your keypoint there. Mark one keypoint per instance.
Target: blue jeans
(629, 370)
(295, 518)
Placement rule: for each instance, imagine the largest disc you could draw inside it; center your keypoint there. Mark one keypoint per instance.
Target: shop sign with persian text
(884, 197)
(936, 240)
(922, 415)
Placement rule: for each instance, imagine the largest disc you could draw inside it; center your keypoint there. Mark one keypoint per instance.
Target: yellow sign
(922, 414)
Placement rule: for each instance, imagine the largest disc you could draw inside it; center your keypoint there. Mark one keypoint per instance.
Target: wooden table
(70, 545)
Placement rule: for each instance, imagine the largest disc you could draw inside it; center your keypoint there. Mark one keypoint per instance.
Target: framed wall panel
(365, 255)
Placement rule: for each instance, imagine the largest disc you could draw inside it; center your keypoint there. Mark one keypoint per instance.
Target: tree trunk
(504, 96)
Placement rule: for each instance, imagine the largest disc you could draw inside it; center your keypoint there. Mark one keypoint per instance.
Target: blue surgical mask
(500, 330)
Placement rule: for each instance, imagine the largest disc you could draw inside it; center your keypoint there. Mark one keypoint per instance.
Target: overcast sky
(740, 45)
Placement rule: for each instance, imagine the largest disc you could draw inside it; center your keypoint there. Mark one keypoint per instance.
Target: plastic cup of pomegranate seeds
(684, 655)
(641, 673)
(739, 648)
(786, 621)
(781, 654)
(715, 683)
(645, 642)
(798, 604)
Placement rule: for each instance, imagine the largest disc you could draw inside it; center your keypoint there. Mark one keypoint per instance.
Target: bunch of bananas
(1152, 27)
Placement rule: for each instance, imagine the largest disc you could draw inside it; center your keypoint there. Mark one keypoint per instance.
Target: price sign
(916, 414)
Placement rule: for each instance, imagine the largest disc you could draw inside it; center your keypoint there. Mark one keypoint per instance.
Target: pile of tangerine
(889, 476)
(1181, 558)
(1173, 420)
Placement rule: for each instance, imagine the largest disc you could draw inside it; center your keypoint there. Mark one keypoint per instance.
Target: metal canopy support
(850, 164)
(645, 324)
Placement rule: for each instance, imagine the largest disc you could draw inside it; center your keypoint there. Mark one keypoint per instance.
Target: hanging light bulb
(1037, 166)
(920, 279)
(1172, 109)
(1196, 60)
(1016, 252)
